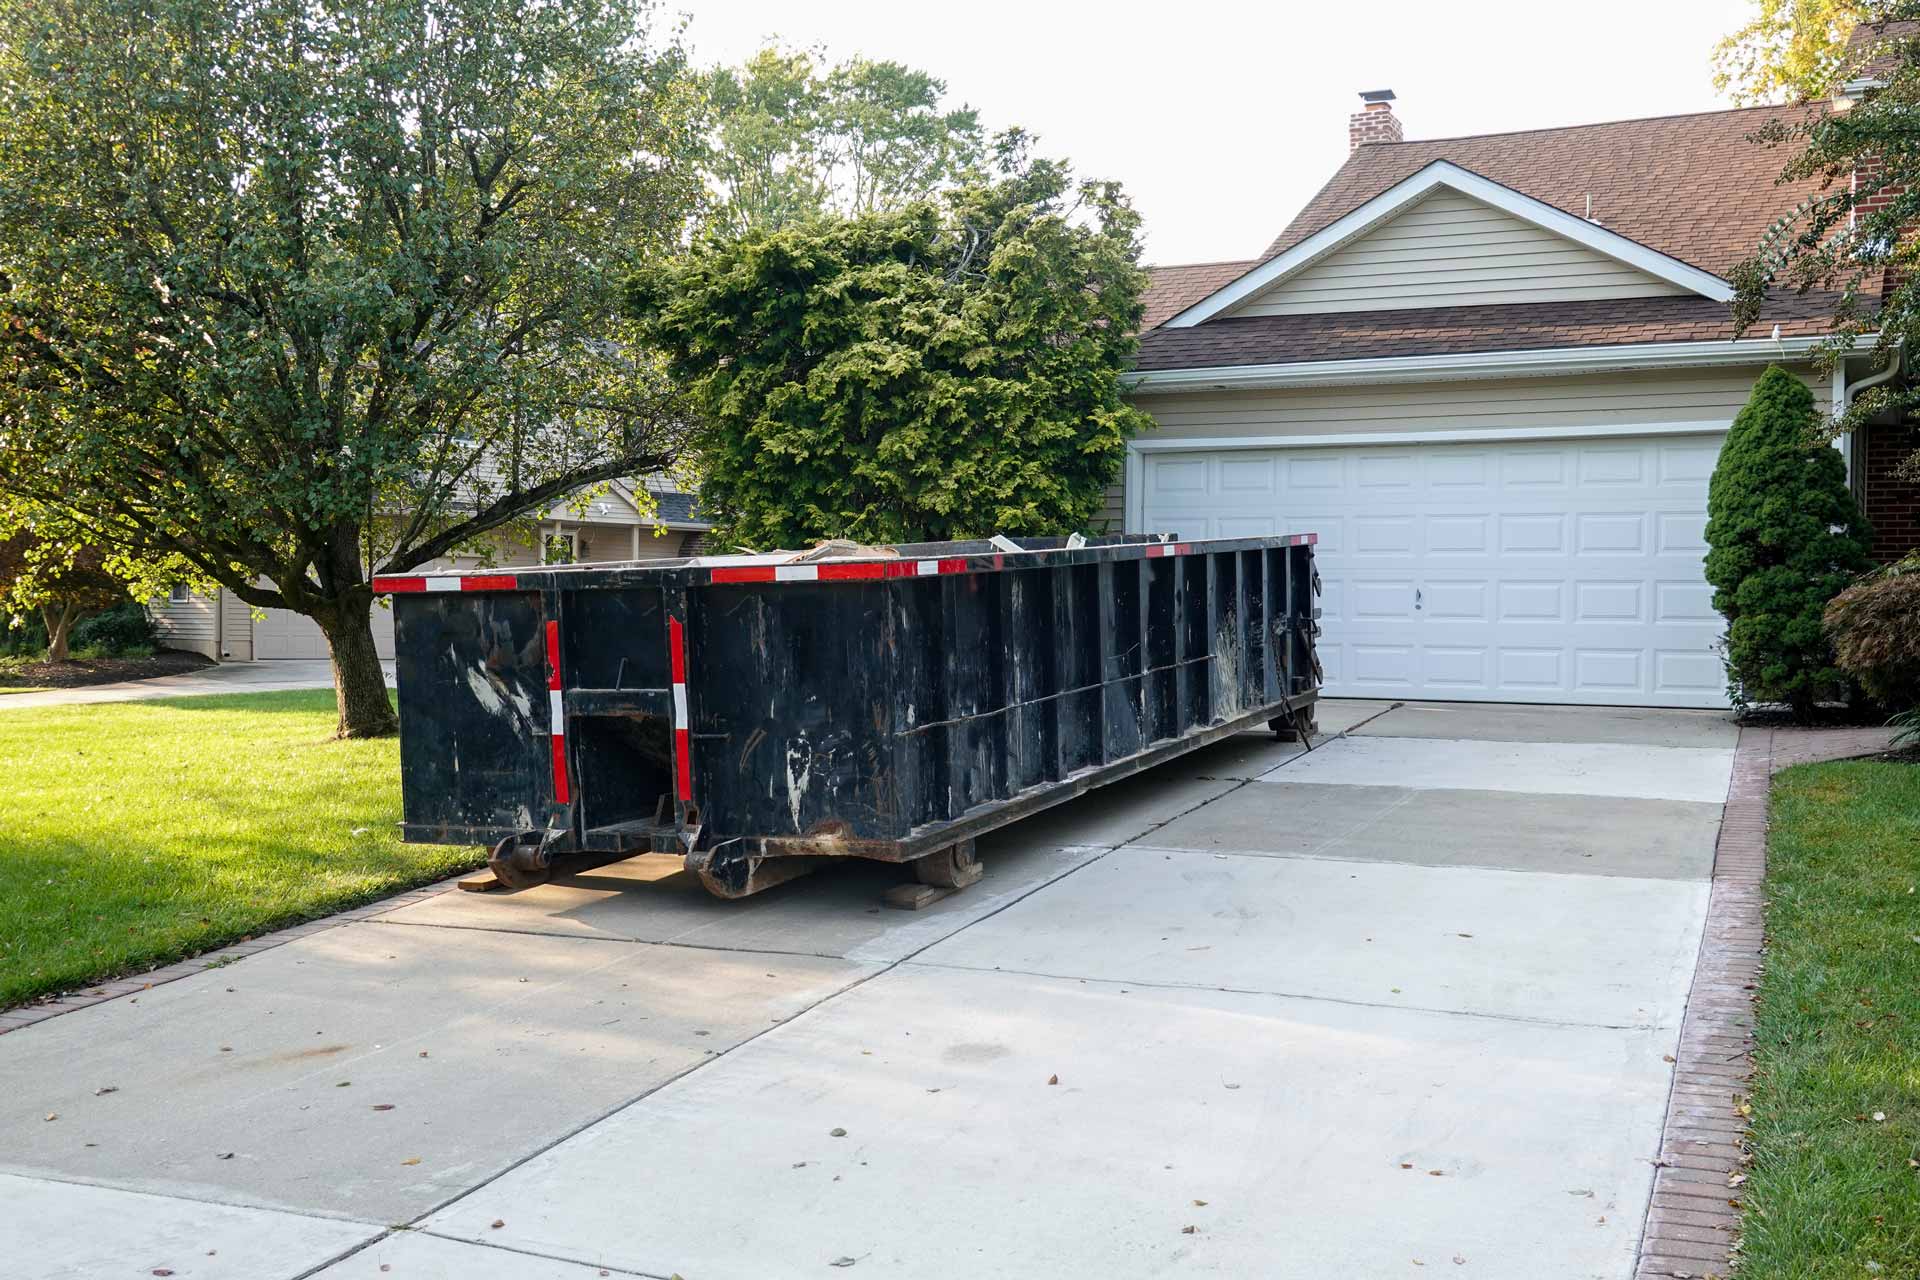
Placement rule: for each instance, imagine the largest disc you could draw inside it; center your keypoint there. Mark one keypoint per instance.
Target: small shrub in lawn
(1784, 537)
(1875, 629)
(113, 631)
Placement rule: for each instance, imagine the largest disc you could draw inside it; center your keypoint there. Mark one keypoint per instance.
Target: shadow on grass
(75, 917)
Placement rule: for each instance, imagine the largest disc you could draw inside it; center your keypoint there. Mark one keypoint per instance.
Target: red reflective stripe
(490, 582)
(553, 655)
(682, 737)
(385, 586)
(842, 572)
(744, 573)
(683, 764)
(562, 793)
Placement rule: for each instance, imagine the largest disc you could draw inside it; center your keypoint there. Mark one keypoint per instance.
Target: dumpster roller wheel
(954, 867)
(521, 861)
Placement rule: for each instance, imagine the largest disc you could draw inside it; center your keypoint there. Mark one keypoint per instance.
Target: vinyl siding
(1452, 250)
(1599, 400)
(186, 624)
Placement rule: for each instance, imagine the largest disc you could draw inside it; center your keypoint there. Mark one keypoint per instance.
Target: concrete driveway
(1397, 1007)
(228, 677)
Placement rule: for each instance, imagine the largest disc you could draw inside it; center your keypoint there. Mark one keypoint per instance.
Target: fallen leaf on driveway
(1189, 1230)
(411, 1160)
(1199, 1204)
(383, 1106)
(53, 1115)
(843, 1262)
(1459, 1261)
(104, 1090)
(836, 1133)
(1436, 1173)
(1053, 1079)
(499, 1223)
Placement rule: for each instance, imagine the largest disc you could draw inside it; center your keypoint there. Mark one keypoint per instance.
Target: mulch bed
(85, 671)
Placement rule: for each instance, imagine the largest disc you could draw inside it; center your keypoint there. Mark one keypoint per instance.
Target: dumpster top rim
(907, 560)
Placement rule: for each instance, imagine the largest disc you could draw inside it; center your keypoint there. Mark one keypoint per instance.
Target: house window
(557, 548)
(180, 594)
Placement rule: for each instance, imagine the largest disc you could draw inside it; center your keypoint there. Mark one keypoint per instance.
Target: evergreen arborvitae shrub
(1784, 536)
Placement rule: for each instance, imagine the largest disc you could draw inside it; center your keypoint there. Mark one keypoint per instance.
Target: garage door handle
(1416, 597)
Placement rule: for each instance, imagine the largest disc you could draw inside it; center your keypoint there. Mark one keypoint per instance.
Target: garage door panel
(1461, 669)
(1533, 470)
(1533, 533)
(1556, 571)
(1610, 601)
(1465, 600)
(1605, 467)
(1457, 535)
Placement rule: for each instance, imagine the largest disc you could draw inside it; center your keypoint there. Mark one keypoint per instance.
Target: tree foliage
(301, 290)
(1859, 236)
(794, 139)
(1790, 50)
(1784, 537)
(947, 370)
(49, 566)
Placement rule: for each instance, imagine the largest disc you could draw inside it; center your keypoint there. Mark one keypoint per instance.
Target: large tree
(1790, 50)
(1859, 236)
(306, 290)
(948, 370)
(794, 139)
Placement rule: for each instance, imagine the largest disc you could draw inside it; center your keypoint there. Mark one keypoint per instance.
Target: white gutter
(1844, 393)
(1544, 362)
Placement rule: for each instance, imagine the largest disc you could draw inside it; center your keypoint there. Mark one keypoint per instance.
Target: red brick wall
(1376, 124)
(1893, 505)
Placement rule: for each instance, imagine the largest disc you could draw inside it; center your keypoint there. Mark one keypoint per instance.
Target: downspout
(1850, 390)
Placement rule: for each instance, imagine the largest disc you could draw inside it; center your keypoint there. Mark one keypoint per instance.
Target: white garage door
(1565, 571)
(285, 634)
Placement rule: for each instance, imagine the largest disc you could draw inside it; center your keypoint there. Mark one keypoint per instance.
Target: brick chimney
(1375, 121)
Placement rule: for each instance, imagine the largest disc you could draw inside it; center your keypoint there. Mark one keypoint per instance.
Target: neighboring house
(609, 527)
(1493, 374)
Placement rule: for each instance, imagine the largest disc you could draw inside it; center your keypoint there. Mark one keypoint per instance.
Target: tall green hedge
(1784, 536)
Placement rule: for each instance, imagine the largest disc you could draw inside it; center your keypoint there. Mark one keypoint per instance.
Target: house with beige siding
(638, 521)
(1493, 374)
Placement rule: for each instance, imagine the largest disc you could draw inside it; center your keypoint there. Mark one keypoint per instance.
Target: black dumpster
(758, 713)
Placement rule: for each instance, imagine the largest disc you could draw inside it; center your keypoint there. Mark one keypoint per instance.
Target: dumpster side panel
(474, 711)
(793, 712)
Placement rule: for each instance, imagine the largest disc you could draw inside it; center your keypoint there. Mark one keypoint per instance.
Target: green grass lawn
(135, 833)
(1835, 1190)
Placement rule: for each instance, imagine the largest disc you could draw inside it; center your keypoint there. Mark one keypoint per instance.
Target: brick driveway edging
(1693, 1221)
(130, 987)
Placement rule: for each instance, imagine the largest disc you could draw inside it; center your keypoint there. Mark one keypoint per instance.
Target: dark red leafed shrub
(1875, 629)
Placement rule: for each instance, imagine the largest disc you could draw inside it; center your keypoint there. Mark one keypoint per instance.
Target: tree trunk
(59, 629)
(359, 685)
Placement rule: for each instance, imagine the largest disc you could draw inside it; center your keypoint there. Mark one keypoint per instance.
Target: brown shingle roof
(1171, 290)
(1692, 187)
(1359, 335)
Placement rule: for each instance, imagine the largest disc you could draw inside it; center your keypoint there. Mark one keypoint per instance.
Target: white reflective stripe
(559, 712)
(679, 706)
(796, 573)
(929, 566)
(443, 584)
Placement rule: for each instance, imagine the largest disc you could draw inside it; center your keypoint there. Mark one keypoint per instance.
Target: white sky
(1222, 119)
